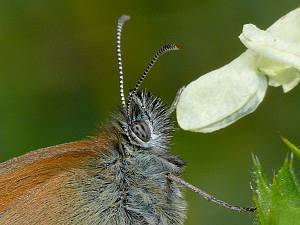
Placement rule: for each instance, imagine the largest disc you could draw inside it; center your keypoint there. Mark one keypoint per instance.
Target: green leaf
(277, 202)
(292, 147)
(262, 196)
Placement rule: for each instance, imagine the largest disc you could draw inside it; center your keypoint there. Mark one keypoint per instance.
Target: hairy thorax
(130, 187)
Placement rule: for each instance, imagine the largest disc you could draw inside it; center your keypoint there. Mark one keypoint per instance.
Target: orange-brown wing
(40, 187)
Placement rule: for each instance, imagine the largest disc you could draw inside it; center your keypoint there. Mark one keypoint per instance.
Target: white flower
(277, 49)
(219, 98)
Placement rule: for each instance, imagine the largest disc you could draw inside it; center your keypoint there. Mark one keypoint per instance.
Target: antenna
(161, 51)
(121, 22)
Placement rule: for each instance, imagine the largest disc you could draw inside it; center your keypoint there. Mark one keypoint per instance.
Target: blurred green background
(59, 83)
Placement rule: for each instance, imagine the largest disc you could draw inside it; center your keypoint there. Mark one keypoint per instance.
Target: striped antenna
(121, 22)
(161, 51)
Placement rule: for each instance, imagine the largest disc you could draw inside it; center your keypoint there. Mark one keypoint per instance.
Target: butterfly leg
(209, 197)
(175, 101)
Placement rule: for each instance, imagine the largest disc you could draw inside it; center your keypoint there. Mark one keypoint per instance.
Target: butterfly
(124, 175)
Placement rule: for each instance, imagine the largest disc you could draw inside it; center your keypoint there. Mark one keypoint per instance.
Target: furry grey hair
(132, 182)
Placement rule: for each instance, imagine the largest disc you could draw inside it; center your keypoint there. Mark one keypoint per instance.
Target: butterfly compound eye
(141, 130)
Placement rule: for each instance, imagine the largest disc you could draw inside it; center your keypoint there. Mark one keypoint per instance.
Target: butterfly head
(145, 119)
(146, 122)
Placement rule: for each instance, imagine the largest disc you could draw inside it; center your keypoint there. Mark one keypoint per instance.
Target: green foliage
(278, 203)
(292, 147)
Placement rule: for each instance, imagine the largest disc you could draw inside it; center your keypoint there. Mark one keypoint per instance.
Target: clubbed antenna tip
(178, 46)
(124, 18)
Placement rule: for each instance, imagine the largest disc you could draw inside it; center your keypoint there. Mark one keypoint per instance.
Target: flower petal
(279, 74)
(267, 45)
(221, 97)
(277, 49)
(287, 27)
